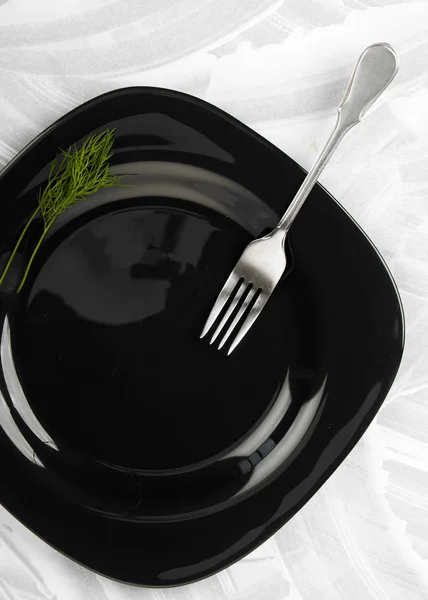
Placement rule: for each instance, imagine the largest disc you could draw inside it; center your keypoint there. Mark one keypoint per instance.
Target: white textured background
(281, 67)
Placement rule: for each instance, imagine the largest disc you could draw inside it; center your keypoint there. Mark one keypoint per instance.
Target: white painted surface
(281, 67)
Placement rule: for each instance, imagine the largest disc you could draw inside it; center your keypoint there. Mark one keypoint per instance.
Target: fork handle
(374, 71)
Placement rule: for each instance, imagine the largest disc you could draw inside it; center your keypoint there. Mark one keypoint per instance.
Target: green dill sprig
(75, 175)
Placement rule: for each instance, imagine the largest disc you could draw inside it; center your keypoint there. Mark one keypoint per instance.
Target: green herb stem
(30, 262)
(18, 243)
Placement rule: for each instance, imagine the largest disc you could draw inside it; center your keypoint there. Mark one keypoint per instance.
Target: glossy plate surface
(126, 442)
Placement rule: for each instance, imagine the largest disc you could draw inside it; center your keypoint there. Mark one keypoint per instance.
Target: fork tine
(239, 293)
(222, 298)
(238, 316)
(254, 313)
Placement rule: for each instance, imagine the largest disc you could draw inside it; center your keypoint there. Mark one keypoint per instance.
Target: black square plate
(128, 443)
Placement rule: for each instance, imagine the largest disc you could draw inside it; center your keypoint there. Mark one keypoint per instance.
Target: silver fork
(263, 261)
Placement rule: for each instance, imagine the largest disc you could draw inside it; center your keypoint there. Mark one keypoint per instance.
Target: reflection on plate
(148, 455)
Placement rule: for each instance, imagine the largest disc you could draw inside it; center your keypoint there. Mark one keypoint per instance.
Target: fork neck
(341, 128)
